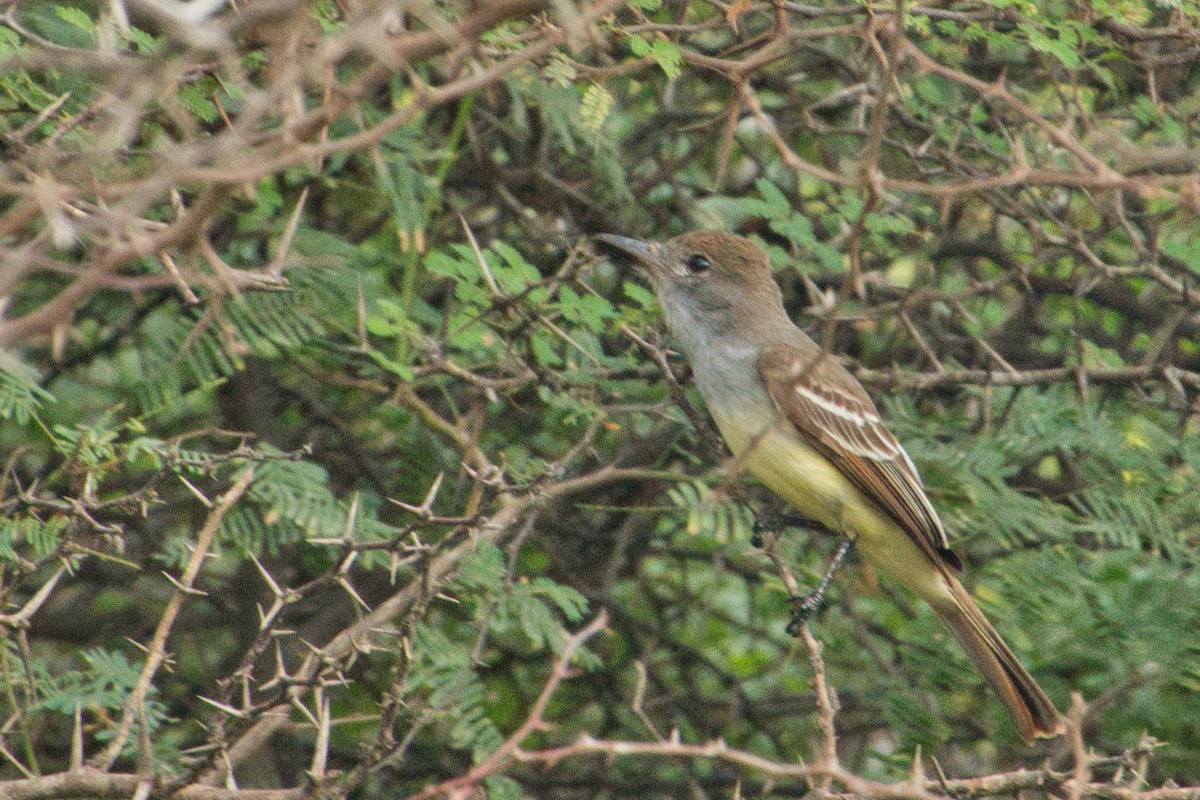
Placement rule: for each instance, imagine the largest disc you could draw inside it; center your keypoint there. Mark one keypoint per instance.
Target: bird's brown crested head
(713, 286)
(696, 258)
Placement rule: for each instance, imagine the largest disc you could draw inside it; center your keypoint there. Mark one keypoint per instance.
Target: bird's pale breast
(771, 450)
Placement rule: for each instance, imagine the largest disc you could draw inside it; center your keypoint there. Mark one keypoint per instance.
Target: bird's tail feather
(1032, 711)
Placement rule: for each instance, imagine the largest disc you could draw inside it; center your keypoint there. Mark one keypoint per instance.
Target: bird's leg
(805, 605)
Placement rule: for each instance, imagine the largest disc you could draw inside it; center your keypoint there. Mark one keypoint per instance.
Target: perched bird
(805, 427)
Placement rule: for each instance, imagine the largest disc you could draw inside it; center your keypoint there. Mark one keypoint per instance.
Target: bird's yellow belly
(790, 467)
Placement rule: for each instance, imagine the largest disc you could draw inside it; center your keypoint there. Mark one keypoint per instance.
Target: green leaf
(596, 105)
(666, 54)
(144, 41)
(1065, 48)
(388, 320)
(589, 310)
(560, 70)
(400, 369)
(639, 294)
(1181, 238)
(20, 392)
(198, 102)
(538, 623)
(483, 569)
(76, 17)
(502, 787)
(570, 602)
(776, 204)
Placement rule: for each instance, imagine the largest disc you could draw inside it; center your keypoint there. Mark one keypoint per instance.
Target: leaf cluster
(343, 252)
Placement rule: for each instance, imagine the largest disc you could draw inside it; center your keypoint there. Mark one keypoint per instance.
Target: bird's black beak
(642, 254)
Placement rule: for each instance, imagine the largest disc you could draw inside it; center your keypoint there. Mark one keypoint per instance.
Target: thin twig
(510, 750)
(156, 652)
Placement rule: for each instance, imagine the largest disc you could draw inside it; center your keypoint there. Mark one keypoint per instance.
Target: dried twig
(156, 652)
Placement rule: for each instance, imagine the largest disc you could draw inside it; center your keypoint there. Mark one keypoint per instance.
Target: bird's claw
(804, 606)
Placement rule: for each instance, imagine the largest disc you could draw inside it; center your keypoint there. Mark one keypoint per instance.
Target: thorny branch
(158, 221)
(156, 651)
(511, 749)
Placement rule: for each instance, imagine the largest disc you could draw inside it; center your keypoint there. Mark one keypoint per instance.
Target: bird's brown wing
(833, 412)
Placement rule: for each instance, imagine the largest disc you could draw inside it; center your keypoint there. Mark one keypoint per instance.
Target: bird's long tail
(1032, 711)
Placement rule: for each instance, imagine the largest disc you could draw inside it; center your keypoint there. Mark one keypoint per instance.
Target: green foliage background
(1004, 243)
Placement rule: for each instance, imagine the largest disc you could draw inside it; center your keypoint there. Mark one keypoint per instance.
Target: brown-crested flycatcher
(805, 427)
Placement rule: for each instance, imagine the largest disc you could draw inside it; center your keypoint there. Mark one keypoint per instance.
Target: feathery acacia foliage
(328, 447)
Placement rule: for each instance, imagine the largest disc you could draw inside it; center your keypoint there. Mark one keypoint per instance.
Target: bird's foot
(804, 606)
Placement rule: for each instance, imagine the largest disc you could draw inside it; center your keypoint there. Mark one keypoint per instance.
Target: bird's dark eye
(697, 264)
